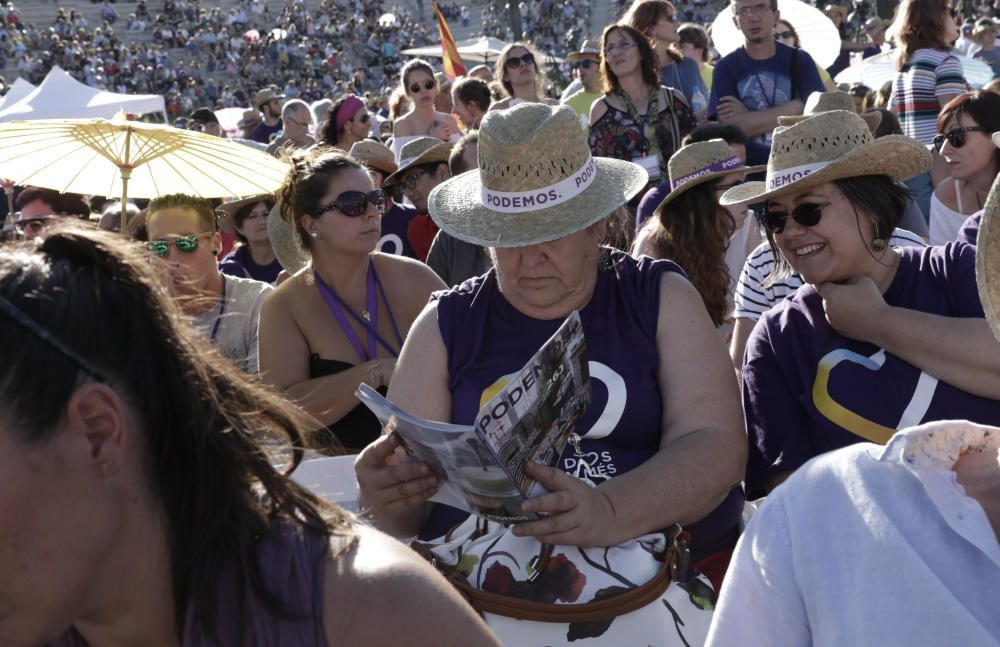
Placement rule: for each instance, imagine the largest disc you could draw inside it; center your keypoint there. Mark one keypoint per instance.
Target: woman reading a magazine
(662, 439)
(139, 504)
(342, 319)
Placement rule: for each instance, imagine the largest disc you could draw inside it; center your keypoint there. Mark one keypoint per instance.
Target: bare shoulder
(417, 276)
(402, 126)
(290, 290)
(945, 192)
(380, 591)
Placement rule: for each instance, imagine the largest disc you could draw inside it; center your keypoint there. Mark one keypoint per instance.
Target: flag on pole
(453, 67)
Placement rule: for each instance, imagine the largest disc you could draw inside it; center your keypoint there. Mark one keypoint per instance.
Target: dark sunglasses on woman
(783, 34)
(956, 136)
(516, 61)
(355, 203)
(428, 84)
(806, 214)
(585, 64)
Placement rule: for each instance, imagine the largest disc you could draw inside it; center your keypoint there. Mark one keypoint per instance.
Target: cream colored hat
(702, 161)
(825, 102)
(536, 181)
(826, 147)
(285, 244)
(589, 47)
(230, 208)
(375, 155)
(988, 259)
(423, 150)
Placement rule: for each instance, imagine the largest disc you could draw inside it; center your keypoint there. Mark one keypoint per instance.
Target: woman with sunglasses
(964, 142)
(522, 79)
(785, 33)
(879, 338)
(342, 319)
(417, 78)
(657, 20)
(637, 120)
(140, 503)
(347, 122)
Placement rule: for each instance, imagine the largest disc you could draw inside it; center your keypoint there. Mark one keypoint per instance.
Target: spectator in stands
(396, 216)
(587, 63)
(111, 216)
(471, 99)
(40, 208)
(518, 71)
(423, 166)
(874, 28)
(347, 122)
(206, 121)
(985, 35)
(697, 46)
(268, 102)
(248, 123)
(443, 102)
(296, 122)
(254, 257)
(482, 72)
(417, 79)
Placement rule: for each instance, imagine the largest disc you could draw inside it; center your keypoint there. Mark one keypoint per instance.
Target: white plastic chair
(331, 479)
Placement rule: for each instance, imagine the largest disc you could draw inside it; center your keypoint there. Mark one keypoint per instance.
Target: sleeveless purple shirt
(488, 340)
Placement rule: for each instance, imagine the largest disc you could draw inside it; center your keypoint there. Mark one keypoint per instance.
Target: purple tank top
(291, 563)
(488, 339)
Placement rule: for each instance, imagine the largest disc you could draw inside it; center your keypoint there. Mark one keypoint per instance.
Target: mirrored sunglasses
(428, 84)
(955, 136)
(184, 244)
(807, 214)
(355, 203)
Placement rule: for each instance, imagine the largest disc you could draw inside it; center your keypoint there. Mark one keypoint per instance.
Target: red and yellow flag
(453, 67)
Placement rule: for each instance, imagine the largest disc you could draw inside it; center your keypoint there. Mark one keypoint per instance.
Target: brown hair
(63, 204)
(307, 182)
(643, 16)
(647, 59)
(201, 206)
(244, 212)
(919, 24)
(983, 107)
(696, 36)
(412, 66)
(500, 71)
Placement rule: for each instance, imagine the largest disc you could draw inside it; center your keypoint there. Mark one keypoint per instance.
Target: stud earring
(108, 468)
(879, 245)
(314, 234)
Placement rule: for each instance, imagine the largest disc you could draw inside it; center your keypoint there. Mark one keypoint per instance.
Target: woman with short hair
(471, 99)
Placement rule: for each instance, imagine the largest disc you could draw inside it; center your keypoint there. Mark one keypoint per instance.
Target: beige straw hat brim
(873, 119)
(988, 260)
(232, 207)
(897, 156)
(286, 246)
(457, 207)
(710, 176)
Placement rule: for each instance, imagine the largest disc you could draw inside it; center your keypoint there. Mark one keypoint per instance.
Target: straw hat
(982, 26)
(423, 150)
(826, 147)
(988, 259)
(536, 181)
(285, 244)
(250, 119)
(825, 102)
(875, 24)
(375, 155)
(700, 162)
(589, 47)
(838, 9)
(230, 208)
(265, 95)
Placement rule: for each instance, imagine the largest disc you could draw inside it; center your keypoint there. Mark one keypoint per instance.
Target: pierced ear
(97, 414)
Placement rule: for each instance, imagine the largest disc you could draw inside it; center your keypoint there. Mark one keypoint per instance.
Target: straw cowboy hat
(290, 254)
(826, 147)
(589, 47)
(827, 101)
(423, 150)
(536, 181)
(265, 95)
(230, 208)
(373, 154)
(988, 256)
(700, 162)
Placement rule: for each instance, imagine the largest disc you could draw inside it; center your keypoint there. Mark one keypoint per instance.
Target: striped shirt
(753, 299)
(928, 75)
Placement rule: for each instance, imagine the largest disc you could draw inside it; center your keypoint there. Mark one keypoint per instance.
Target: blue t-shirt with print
(762, 85)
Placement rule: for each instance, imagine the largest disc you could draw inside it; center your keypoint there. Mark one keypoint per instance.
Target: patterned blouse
(615, 134)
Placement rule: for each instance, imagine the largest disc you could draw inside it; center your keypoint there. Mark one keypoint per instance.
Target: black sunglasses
(516, 61)
(956, 136)
(355, 203)
(784, 34)
(806, 214)
(585, 64)
(428, 84)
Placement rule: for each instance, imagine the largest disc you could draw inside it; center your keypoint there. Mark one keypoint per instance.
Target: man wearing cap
(296, 120)
(268, 102)
(761, 81)
(587, 63)
(985, 37)
(423, 164)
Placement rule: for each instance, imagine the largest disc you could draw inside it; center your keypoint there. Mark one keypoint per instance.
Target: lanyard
(222, 310)
(647, 130)
(760, 84)
(337, 307)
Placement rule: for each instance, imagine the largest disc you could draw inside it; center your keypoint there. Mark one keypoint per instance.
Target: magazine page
(532, 417)
(470, 477)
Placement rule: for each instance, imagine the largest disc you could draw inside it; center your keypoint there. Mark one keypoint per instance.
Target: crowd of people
(788, 292)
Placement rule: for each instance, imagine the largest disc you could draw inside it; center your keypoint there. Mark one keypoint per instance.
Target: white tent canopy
(60, 96)
(17, 91)
(480, 50)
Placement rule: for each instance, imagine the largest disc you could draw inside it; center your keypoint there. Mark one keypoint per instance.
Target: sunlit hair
(696, 36)
(307, 181)
(643, 16)
(201, 423)
(979, 106)
(919, 24)
(201, 206)
(412, 66)
(500, 70)
(647, 59)
(474, 91)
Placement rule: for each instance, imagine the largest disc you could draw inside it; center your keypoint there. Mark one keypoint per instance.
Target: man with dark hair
(452, 259)
(204, 119)
(268, 102)
(762, 80)
(38, 208)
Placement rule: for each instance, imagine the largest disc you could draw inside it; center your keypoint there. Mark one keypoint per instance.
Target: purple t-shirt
(395, 239)
(969, 231)
(240, 263)
(808, 390)
(488, 341)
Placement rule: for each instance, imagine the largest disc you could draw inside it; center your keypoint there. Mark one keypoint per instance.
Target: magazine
(481, 467)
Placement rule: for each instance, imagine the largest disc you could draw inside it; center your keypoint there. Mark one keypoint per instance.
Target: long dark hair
(919, 25)
(203, 422)
(643, 16)
(329, 133)
(647, 59)
(983, 107)
(693, 230)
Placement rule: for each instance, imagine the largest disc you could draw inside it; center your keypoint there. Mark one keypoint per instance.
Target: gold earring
(108, 468)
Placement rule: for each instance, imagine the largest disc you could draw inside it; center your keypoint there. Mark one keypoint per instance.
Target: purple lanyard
(369, 322)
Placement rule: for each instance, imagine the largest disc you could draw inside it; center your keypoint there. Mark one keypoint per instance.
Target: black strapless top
(360, 426)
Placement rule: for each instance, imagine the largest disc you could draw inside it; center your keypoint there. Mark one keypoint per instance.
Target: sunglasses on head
(428, 84)
(516, 61)
(355, 203)
(585, 64)
(806, 214)
(955, 136)
(184, 244)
